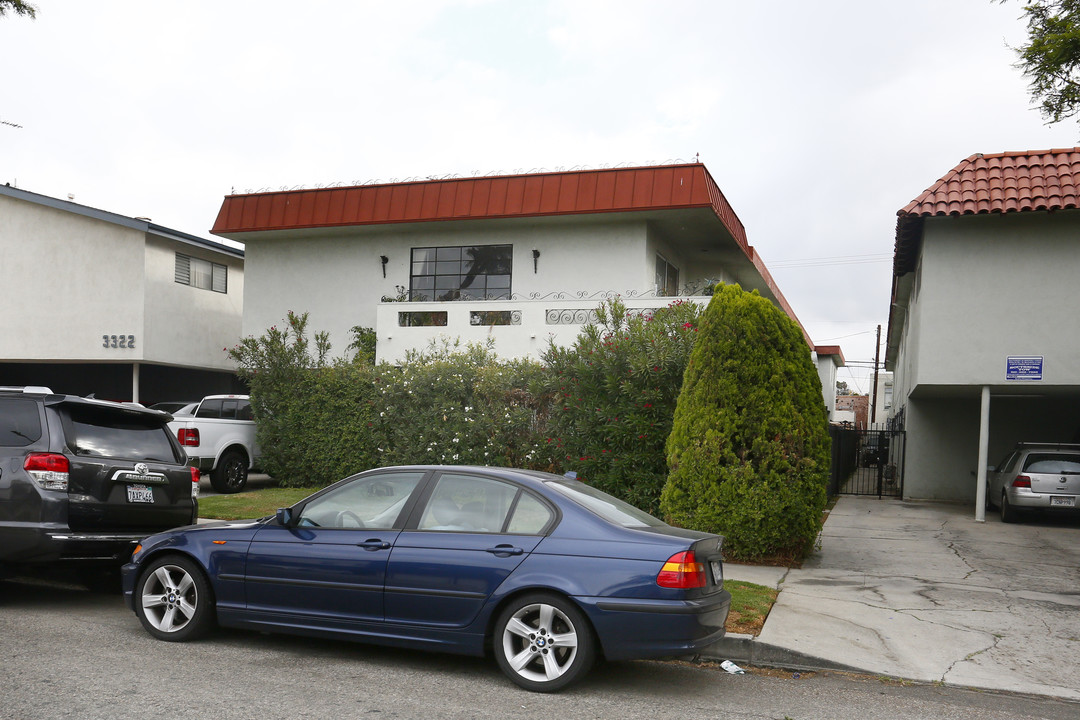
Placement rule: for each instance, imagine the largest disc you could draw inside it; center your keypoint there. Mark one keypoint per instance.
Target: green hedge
(746, 439)
(749, 446)
(612, 396)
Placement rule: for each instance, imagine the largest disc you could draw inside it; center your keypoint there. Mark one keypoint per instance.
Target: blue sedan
(544, 571)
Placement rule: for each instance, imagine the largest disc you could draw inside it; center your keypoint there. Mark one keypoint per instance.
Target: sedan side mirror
(285, 517)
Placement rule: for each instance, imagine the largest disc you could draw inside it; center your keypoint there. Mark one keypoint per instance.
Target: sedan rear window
(1052, 464)
(101, 433)
(612, 509)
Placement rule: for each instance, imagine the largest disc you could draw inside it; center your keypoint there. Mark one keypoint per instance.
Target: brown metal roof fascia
(780, 299)
(506, 196)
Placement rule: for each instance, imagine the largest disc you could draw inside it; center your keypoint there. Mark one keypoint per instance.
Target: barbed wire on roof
(474, 173)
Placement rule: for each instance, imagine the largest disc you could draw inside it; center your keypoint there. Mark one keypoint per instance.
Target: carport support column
(984, 447)
(134, 382)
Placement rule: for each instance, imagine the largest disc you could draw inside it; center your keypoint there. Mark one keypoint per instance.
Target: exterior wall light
(536, 258)
(383, 259)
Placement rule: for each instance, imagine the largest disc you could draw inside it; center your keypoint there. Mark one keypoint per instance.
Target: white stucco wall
(73, 280)
(826, 369)
(987, 288)
(337, 277)
(542, 322)
(76, 280)
(993, 287)
(186, 325)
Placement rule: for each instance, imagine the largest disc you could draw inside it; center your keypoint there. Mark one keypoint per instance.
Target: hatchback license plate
(140, 494)
(1063, 502)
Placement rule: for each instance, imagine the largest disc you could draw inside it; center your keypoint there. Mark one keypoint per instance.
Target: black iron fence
(867, 462)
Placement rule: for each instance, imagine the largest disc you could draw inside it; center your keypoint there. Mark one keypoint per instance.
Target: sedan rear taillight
(683, 571)
(188, 437)
(1022, 481)
(49, 470)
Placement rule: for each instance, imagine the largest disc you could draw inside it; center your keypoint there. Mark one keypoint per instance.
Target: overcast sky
(818, 120)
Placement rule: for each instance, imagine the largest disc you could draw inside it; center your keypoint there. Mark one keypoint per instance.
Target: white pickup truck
(219, 437)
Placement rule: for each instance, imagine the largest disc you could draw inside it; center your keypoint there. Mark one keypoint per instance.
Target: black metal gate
(867, 462)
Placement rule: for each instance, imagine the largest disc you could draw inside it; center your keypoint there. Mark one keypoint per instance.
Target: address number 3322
(118, 341)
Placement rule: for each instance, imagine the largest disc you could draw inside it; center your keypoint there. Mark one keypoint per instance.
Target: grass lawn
(750, 603)
(254, 504)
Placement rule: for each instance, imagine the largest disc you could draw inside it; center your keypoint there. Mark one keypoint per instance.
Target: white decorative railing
(524, 329)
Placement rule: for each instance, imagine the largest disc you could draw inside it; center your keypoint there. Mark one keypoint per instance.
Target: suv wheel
(230, 476)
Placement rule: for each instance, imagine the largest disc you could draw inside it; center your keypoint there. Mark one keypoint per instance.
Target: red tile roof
(1005, 182)
(984, 184)
(662, 187)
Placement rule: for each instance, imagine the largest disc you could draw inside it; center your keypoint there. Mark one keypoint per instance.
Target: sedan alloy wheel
(543, 642)
(173, 599)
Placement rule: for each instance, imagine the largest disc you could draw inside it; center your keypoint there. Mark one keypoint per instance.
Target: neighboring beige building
(984, 333)
(96, 302)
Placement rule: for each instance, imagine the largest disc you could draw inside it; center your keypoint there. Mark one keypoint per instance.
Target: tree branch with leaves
(1051, 56)
(18, 7)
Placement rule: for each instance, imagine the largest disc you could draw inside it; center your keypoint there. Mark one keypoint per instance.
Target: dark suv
(85, 480)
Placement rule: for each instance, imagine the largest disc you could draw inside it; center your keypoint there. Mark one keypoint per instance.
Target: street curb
(740, 648)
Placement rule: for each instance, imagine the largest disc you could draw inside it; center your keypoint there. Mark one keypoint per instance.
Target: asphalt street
(66, 652)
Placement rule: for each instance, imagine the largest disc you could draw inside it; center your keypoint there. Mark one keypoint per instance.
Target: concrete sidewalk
(922, 591)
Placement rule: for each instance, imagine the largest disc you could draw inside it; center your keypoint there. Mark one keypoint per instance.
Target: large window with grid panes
(478, 272)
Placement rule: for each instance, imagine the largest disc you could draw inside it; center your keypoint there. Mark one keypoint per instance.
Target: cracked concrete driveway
(922, 591)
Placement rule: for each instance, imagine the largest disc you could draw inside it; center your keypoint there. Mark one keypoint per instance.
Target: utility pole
(877, 358)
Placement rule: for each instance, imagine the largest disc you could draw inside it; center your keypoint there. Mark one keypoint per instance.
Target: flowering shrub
(612, 396)
(320, 421)
(455, 406)
(602, 407)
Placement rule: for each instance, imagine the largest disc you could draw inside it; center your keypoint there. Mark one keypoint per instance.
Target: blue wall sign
(1024, 367)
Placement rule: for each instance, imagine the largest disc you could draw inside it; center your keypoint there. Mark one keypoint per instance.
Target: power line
(832, 260)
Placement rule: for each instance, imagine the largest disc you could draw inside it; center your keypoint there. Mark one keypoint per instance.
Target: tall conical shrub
(748, 454)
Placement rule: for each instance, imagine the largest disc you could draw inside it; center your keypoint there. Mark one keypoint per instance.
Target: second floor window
(479, 272)
(201, 273)
(667, 277)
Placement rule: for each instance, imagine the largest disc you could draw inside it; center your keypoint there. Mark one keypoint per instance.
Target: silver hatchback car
(1040, 476)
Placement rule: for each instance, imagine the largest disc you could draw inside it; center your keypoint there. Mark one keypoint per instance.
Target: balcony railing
(518, 328)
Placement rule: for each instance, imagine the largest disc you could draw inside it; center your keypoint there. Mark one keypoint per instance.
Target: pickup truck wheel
(230, 476)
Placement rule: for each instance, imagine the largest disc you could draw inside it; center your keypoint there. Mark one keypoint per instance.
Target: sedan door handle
(505, 550)
(374, 544)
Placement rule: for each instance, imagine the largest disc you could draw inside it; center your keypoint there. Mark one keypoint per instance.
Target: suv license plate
(140, 494)
(1062, 502)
